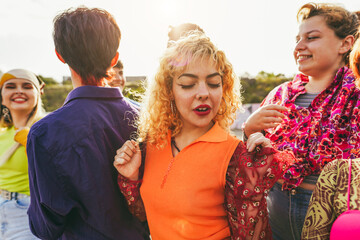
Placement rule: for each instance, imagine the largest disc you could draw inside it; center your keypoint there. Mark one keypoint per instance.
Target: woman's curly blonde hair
(157, 116)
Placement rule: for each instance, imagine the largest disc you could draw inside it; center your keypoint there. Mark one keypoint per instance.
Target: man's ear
(115, 59)
(347, 44)
(59, 57)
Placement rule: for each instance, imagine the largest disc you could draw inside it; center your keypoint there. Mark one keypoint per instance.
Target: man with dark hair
(73, 184)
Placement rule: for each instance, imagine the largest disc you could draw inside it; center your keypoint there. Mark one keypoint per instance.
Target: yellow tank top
(14, 173)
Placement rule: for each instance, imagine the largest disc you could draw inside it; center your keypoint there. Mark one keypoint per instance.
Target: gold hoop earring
(225, 107)
(173, 108)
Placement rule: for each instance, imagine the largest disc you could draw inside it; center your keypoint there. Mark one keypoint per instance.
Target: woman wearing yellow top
(199, 182)
(21, 106)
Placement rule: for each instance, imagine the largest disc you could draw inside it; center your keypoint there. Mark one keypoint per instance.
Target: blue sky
(256, 35)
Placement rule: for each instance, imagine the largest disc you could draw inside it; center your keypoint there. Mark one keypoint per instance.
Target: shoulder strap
(349, 183)
(8, 153)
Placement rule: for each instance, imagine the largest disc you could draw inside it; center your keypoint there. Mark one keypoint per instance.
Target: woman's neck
(318, 83)
(77, 80)
(19, 119)
(189, 135)
(317, 86)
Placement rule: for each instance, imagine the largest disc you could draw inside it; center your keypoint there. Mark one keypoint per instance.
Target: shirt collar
(300, 80)
(93, 92)
(215, 134)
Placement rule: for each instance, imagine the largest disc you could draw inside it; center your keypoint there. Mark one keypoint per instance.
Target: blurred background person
(21, 106)
(119, 79)
(182, 30)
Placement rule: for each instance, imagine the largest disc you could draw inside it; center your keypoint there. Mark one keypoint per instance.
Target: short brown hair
(87, 39)
(342, 21)
(119, 64)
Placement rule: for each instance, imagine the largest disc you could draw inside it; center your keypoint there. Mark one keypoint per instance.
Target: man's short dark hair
(87, 39)
(119, 64)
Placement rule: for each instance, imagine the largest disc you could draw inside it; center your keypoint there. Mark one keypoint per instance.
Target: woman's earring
(6, 114)
(225, 107)
(173, 108)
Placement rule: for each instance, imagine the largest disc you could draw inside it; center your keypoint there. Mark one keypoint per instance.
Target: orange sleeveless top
(184, 196)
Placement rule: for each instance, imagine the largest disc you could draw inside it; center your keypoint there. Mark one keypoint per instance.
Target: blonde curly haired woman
(198, 181)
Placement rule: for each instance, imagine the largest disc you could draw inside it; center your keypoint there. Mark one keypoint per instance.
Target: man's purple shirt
(73, 184)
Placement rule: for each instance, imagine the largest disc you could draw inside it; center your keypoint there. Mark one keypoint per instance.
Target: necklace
(174, 144)
(170, 164)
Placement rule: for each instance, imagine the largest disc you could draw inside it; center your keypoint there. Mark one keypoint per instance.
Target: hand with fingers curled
(127, 160)
(265, 117)
(258, 142)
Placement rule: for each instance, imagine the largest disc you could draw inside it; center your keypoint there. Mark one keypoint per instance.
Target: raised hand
(268, 116)
(255, 140)
(128, 160)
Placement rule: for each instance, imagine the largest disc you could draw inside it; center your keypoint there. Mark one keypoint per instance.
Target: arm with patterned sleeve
(131, 189)
(249, 178)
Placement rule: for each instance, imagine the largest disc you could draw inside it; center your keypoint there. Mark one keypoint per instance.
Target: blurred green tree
(135, 91)
(254, 90)
(54, 96)
(48, 80)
